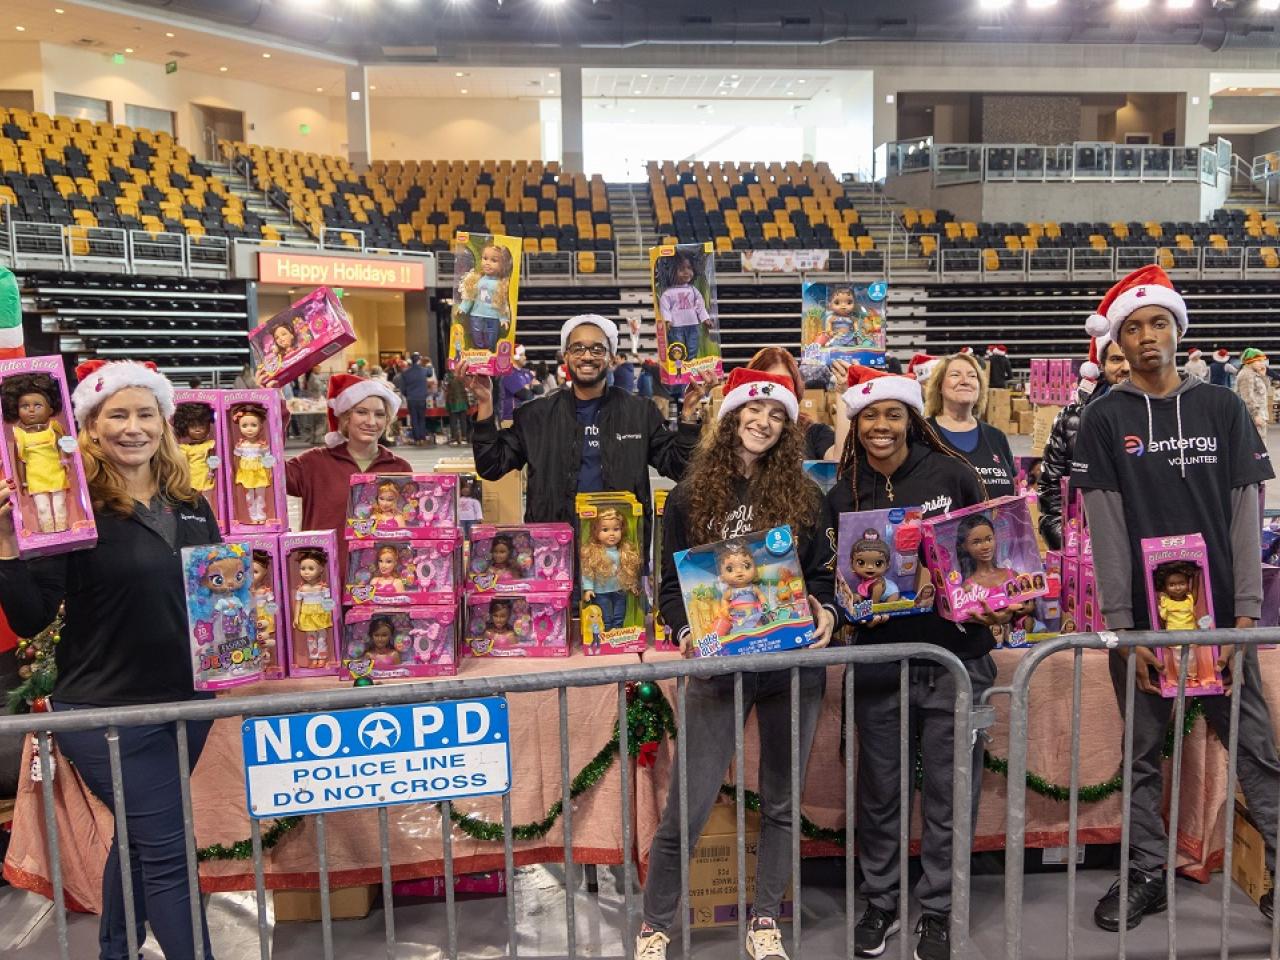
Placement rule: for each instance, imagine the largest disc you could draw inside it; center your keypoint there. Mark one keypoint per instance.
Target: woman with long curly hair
(819, 438)
(746, 476)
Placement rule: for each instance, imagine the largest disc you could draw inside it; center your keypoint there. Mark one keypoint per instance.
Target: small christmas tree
(37, 669)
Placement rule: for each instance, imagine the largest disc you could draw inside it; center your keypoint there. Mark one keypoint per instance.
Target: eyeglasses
(596, 350)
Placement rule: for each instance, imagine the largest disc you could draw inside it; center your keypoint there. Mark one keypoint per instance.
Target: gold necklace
(888, 488)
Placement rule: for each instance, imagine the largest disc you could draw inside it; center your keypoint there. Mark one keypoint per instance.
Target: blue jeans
(613, 607)
(689, 337)
(157, 847)
(484, 332)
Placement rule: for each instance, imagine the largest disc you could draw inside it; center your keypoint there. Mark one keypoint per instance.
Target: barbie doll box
(530, 558)
(52, 513)
(878, 567)
(296, 339)
(401, 506)
(984, 557)
(517, 625)
(224, 644)
(1180, 597)
(267, 602)
(746, 595)
(403, 573)
(314, 616)
(401, 642)
(253, 462)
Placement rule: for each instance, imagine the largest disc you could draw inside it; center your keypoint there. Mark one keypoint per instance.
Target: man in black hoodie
(1162, 456)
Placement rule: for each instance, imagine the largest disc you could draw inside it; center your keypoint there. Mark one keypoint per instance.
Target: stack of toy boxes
(1081, 605)
(519, 581)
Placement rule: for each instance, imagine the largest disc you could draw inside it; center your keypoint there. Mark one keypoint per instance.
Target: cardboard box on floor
(713, 870)
(1248, 855)
(501, 500)
(1040, 426)
(345, 903)
(999, 406)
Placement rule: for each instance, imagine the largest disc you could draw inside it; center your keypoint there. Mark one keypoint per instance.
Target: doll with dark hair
(743, 604)
(193, 427)
(288, 334)
(31, 403)
(838, 325)
(869, 559)
(680, 305)
(976, 551)
(1176, 608)
(381, 647)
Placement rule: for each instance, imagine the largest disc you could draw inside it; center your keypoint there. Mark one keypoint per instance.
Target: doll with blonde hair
(485, 291)
(253, 475)
(610, 566)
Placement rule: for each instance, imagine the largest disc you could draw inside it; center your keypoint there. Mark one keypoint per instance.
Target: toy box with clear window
(52, 511)
(253, 462)
(1090, 603)
(516, 625)
(842, 321)
(984, 557)
(1038, 385)
(1070, 595)
(401, 506)
(224, 645)
(878, 567)
(1049, 608)
(486, 284)
(389, 643)
(685, 314)
(745, 595)
(611, 568)
(822, 472)
(267, 603)
(298, 338)
(1073, 520)
(1180, 597)
(197, 425)
(402, 572)
(531, 558)
(662, 638)
(314, 618)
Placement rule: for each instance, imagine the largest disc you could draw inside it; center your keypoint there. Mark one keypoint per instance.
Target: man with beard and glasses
(588, 438)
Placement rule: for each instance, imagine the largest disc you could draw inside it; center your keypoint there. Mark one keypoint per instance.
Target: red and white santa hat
(1193, 353)
(1146, 287)
(999, 348)
(99, 379)
(1091, 369)
(921, 366)
(345, 391)
(868, 386)
(1222, 355)
(746, 386)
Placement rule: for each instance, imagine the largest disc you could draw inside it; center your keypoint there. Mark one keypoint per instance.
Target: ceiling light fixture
(1132, 4)
(995, 4)
(463, 90)
(319, 89)
(58, 10)
(21, 29)
(169, 35)
(372, 87)
(459, 73)
(1269, 5)
(1181, 4)
(266, 56)
(128, 49)
(222, 69)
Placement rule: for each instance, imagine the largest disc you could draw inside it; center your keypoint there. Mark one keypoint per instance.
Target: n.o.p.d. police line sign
(317, 762)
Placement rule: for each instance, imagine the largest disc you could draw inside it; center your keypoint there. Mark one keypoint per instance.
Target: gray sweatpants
(1257, 765)
(709, 725)
(931, 735)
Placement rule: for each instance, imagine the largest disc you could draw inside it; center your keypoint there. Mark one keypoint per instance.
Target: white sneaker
(764, 940)
(652, 946)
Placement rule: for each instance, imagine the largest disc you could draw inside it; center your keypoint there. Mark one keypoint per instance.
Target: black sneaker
(1267, 905)
(1146, 895)
(875, 927)
(935, 937)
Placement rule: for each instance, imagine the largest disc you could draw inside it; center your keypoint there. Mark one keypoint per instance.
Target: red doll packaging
(403, 573)
(401, 506)
(52, 513)
(267, 602)
(517, 625)
(399, 642)
(313, 615)
(296, 339)
(197, 425)
(253, 462)
(530, 558)
(1179, 597)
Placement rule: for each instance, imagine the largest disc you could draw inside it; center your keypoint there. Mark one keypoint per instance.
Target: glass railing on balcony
(962, 164)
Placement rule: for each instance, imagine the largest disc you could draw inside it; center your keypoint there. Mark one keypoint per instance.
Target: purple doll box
(1163, 558)
(296, 339)
(253, 464)
(984, 557)
(204, 456)
(1070, 594)
(403, 573)
(313, 615)
(224, 646)
(401, 506)
(517, 625)
(389, 643)
(878, 568)
(529, 558)
(1072, 517)
(267, 603)
(63, 497)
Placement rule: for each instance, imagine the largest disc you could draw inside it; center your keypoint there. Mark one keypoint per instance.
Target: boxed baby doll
(296, 339)
(745, 595)
(400, 506)
(390, 643)
(517, 625)
(842, 321)
(253, 462)
(878, 568)
(486, 284)
(197, 425)
(266, 601)
(402, 572)
(224, 646)
(984, 557)
(1180, 597)
(531, 558)
(314, 618)
(52, 513)
(611, 567)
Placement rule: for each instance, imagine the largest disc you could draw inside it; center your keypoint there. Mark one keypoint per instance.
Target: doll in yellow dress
(31, 402)
(313, 607)
(1177, 611)
(193, 426)
(253, 459)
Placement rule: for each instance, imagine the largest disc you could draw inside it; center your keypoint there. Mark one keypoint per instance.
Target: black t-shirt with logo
(1175, 461)
(988, 452)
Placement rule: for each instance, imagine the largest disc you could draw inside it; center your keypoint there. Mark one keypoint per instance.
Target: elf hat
(1147, 287)
(1091, 369)
(607, 327)
(867, 386)
(746, 386)
(1194, 353)
(1251, 354)
(346, 391)
(99, 379)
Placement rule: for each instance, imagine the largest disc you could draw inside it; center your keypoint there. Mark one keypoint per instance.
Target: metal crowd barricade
(110, 721)
(1019, 693)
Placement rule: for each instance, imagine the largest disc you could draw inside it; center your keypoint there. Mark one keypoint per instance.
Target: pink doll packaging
(878, 568)
(611, 614)
(401, 506)
(296, 339)
(393, 643)
(1049, 608)
(253, 462)
(224, 646)
(1072, 518)
(1070, 594)
(517, 625)
(267, 602)
(314, 618)
(52, 513)
(402, 573)
(197, 425)
(984, 557)
(1038, 386)
(1179, 597)
(533, 558)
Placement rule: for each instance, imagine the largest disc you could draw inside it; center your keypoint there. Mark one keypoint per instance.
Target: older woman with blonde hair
(955, 397)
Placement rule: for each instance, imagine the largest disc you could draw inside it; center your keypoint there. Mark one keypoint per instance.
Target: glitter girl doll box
(224, 644)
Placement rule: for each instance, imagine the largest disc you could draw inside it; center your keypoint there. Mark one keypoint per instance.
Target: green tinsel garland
(243, 849)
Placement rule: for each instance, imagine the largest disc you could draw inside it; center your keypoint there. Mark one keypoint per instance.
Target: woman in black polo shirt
(954, 397)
